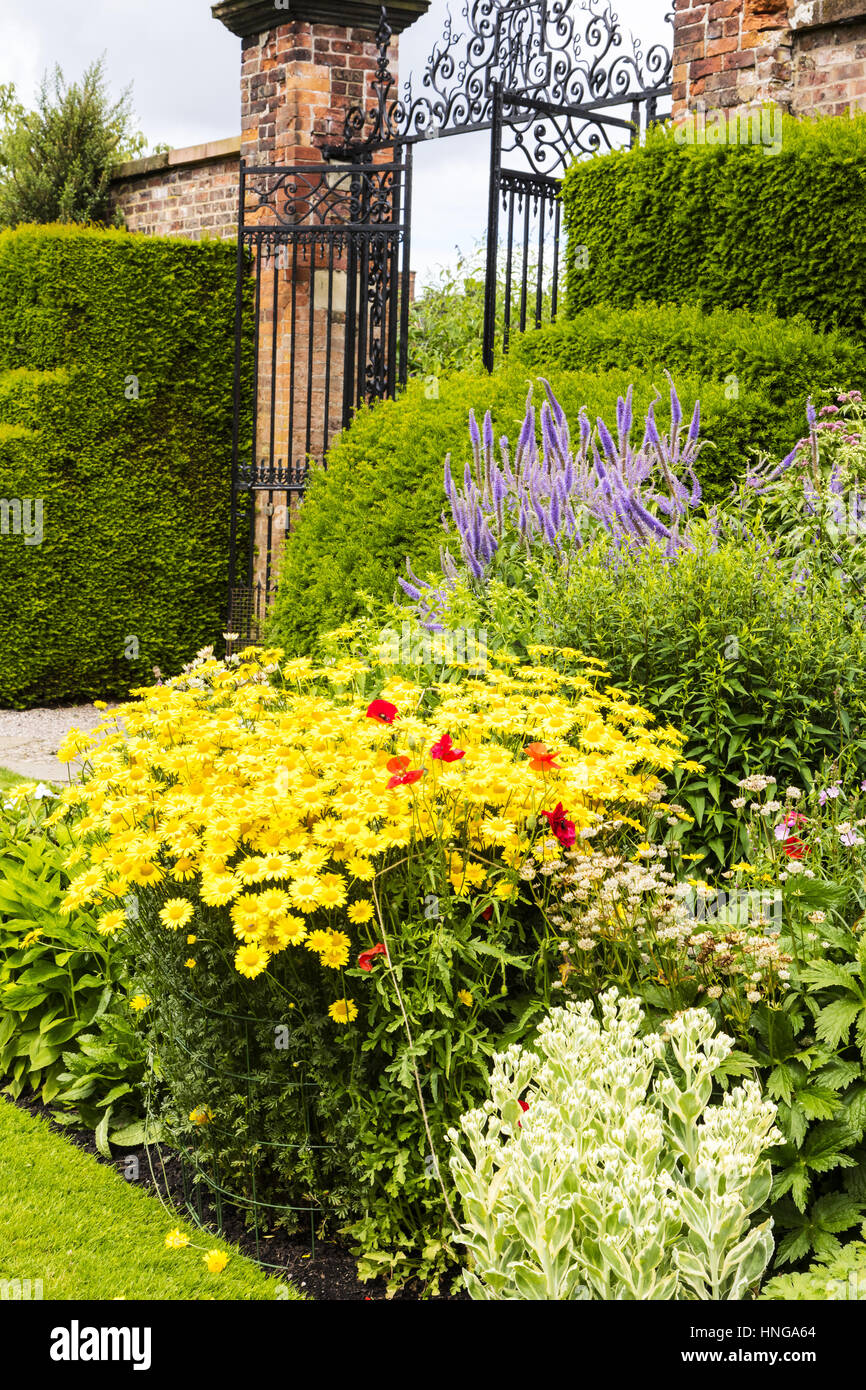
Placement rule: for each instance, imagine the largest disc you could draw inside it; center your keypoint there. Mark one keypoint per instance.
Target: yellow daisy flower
(111, 922)
(176, 913)
(344, 1011)
(251, 960)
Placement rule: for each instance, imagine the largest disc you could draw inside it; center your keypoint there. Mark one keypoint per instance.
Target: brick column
(805, 56)
(304, 65)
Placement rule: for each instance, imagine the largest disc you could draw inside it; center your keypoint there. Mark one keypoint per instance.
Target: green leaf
(115, 1093)
(838, 1073)
(38, 974)
(56, 1034)
(834, 1022)
(819, 1103)
(132, 1135)
(100, 1135)
(826, 975)
(485, 948)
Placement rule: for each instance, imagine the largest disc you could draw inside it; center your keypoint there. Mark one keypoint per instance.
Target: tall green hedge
(382, 497)
(786, 359)
(134, 475)
(726, 225)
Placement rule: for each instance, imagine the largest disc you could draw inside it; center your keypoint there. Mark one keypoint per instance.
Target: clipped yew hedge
(116, 356)
(726, 225)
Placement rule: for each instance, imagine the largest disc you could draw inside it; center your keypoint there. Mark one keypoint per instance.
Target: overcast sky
(183, 67)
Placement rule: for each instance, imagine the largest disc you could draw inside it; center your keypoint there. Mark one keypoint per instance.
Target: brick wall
(191, 193)
(806, 56)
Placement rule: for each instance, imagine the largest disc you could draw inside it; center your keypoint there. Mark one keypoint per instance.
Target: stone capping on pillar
(247, 18)
(818, 14)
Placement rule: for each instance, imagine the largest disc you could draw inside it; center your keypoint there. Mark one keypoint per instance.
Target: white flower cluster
(756, 783)
(640, 906)
(599, 1171)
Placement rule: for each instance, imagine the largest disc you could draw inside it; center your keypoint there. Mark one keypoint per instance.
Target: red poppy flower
(487, 913)
(365, 959)
(524, 1107)
(793, 846)
(445, 752)
(382, 710)
(562, 828)
(399, 763)
(540, 757)
(405, 779)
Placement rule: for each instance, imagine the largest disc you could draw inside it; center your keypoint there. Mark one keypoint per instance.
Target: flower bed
(325, 874)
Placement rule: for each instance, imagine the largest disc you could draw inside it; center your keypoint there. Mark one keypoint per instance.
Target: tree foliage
(56, 161)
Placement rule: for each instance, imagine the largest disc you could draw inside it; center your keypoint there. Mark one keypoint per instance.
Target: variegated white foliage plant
(601, 1167)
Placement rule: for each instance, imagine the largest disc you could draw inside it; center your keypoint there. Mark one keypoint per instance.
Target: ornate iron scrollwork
(321, 197)
(571, 55)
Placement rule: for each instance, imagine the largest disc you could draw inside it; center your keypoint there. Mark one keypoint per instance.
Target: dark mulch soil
(325, 1272)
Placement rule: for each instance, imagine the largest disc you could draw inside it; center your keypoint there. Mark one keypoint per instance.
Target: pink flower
(445, 752)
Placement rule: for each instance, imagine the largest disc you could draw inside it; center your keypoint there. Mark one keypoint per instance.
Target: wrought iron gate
(327, 249)
(549, 80)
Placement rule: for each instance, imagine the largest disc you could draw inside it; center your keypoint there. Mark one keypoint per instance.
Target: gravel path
(29, 738)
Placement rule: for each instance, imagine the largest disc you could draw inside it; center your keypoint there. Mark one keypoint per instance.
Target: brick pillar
(304, 65)
(805, 56)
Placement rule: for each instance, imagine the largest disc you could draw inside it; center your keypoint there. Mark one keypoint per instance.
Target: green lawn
(8, 779)
(88, 1234)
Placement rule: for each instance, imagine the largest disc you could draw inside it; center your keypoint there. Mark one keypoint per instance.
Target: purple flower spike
(676, 409)
(607, 443)
(545, 495)
(652, 433)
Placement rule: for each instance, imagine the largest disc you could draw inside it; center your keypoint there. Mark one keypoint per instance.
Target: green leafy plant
(837, 1275)
(758, 671)
(615, 1177)
(66, 1030)
(814, 501)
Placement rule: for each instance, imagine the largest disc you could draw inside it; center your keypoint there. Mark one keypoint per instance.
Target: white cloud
(19, 43)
